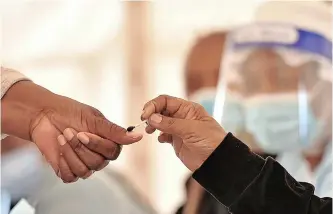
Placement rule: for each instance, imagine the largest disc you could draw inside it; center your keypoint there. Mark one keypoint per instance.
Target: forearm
(246, 183)
(20, 105)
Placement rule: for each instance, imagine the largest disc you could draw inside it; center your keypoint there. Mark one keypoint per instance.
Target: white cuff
(3, 136)
(8, 78)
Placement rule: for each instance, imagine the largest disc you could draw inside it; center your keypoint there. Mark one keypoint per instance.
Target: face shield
(275, 89)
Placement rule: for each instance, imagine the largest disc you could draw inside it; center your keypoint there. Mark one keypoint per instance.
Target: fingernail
(76, 179)
(61, 139)
(156, 118)
(160, 133)
(134, 135)
(83, 138)
(68, 133)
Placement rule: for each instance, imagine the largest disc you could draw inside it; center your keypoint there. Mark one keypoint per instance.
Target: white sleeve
(8, 78)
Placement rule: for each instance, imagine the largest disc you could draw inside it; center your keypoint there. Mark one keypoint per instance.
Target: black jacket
(247, 184)
(208, 204)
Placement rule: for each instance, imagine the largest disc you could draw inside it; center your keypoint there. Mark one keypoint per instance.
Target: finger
(160, 104)
(150, 129)
(91, 159)
(74, 162)
(170, 125)
(165, 138)
(65, 172)
(108, 130)
(108, 149)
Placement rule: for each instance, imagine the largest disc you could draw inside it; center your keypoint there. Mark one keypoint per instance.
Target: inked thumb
(168, 125)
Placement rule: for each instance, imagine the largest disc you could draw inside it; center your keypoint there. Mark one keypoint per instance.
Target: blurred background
(116, 55)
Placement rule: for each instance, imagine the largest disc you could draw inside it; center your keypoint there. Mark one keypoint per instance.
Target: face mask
(278, 125)
(233, 115)
(22, 171)
(206, 98)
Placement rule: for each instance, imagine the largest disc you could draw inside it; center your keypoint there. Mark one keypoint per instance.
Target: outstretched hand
(186, 125)
(36, 114)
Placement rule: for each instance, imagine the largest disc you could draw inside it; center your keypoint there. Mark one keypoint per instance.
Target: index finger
(108, 149)
(160, 104)
(111, 131)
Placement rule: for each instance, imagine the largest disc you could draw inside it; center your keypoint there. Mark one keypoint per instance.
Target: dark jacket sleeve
(246, 183)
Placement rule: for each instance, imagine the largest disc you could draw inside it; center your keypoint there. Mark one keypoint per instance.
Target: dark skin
(43, 117)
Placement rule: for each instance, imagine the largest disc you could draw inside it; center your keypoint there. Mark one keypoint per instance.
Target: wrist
(214, 142)
(21, 105)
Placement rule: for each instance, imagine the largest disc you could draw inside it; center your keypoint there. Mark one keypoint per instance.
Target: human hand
(83, 153)
(36, 114)
(193, 134)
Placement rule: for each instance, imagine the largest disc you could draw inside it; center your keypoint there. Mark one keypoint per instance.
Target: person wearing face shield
(266, 98)
(276, 97)
(201, 78)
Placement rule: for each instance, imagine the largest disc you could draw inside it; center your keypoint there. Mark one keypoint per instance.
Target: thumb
(111, 131)
(169, 125)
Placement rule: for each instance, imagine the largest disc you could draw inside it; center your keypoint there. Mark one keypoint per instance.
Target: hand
(83, 153)
(193, 134)
(36, 114)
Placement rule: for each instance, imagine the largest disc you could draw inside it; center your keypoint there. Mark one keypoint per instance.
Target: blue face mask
(277, 126)
(208, 105)
(233, 115)
(206, 98)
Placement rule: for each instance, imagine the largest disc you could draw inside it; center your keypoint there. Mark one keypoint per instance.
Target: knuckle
(110, 153)
(114, 128)
(147, 104)
(93, 146)
(96, 112)
(187, 107)
(77, 146)
(113, 152)
(198, 107)
(155, 104)
(162, 96)
(91, 123)
(199, 111)
(170, 122)
(83, 118)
